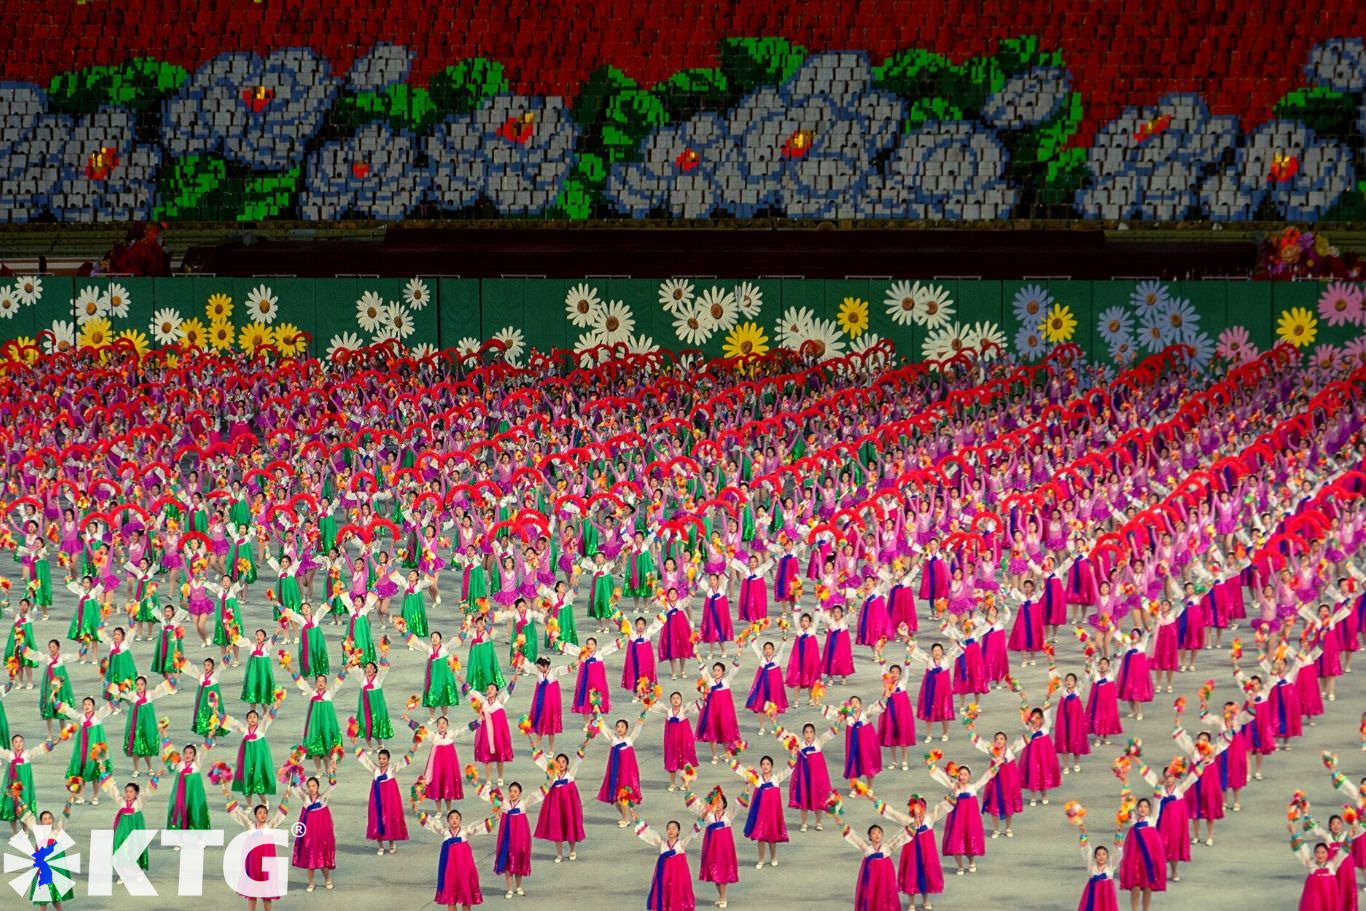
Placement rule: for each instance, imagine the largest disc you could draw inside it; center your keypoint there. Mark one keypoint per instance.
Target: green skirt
(4, 726)
(482, 668)
(336, 606)
(165, 654)
(203, 711)
(362, 641)
(140, 737)
(321, 731)
(241, 554)
(256, 773)
(645, 575)
(287, 595)
(240, 513)
(42, 591)
(56, 687)
(83, 763)
(148, 608)
(600, 604)
(314, 646)
(530, 649)
(568, 632)
(196, 814)
(258, 684)
(123, 825)
(478, 587)
(121, 669)
(415, 614)
(224, 633)
(27, 640)
(440, 688)
(373, 715)
(23, 774)
(84, 623)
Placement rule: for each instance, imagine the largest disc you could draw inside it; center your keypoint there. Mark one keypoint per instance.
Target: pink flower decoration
(1235, 346)
(1326, 356)
(1354, 352)
(1340, 303)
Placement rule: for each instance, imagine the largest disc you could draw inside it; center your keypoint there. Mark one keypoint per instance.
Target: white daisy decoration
(1122, 349)
(1149, 295)
(63, 336)
(116, 296)
(749, 300)
(901, 303)
(1030, 303)
(29, 289)
(590, 340)
(582, 305)
(346, 341)
(675, 295)
(614, 322)
(987, 339)
(515, 341)
(641, 344)
(9, 303)
(397, 319)
(822, 340)
(165, 326)
(262, 305)
(793, 326)
(89, 304)
(1182, 319)
(370, 311)
(416, 294)
(1113, 323)
(1153, 335)
(388, 333)
(946, 342)
(864, 343)
(717, 307)
(690, 328)
(468, 345)
(424, 350)
(933, 306)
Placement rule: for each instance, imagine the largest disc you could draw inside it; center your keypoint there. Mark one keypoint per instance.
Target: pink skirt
(718, 863)
(1099, 895)
(1307, 691)
(255, 867)
(675, 639)
(640, 662)
(1004, 797)
(592, 676)
(765, 821)
(768, 687)
(837, 659)
(1164, 649)
(1143, 864)
(1070, 726)
(809, 788)
(994, 656)
(872, 623)
(561, 816)
(443, 774)
(963, 835)
(804, 664)
(621, 778)
(680, 748)
(919, 871)
(901, 607)
(1321, 892)
(316, 848)
(513, 851)
(876, 886)
(1205, 799)
(1042, 771)
(457, 880)
(716, 621)
(862, 755)
(385, 820)
(1233, 765)
(753, 600)
(1173, 825)
(547, 708)
(716, 723)
(1135, 679)
(1102, 710)
(969, 670)
(936, 696)
(500, 747)
(1285, 710)
(671, 885)
(896, 724)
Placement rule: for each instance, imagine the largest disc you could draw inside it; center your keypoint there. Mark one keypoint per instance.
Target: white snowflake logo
(43, 871)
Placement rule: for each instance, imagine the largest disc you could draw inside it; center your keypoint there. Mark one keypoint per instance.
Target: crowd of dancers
(884, 547)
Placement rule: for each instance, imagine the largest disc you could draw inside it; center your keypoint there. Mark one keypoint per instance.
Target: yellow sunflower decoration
(255, 336)
(289, 340)
(1059, 324)
(95, 334)
(139, 339)
(219, 309)
(1297, 326)
(221, 336)
(744, 340)
(195, 333)
(20, 349)
(853, 316)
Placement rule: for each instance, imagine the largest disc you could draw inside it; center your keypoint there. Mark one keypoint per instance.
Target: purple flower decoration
(105, 174)
(946, 171)
(1338, 64)
(678, 171)
(257, 111)
(385, 65)
(1283, 162)
(30, 145)
(373, 175)
(516, 150)
(807, 147)
(1027, 99)
(1147, 163)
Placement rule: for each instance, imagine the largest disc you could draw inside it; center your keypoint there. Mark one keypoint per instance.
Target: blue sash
(376, 804)
(656, 899)
(706, 709)
(441, 865)
(500, 860)
(1143, 847)
(752, 819)
(853, 758)
(761, 689)
(928, 693)
(538, 701)
(1092, 887)
(581, 685)
(921, 880)
(614, 770)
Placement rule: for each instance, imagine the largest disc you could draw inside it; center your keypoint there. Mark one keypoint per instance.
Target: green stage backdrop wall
(1110, 320)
